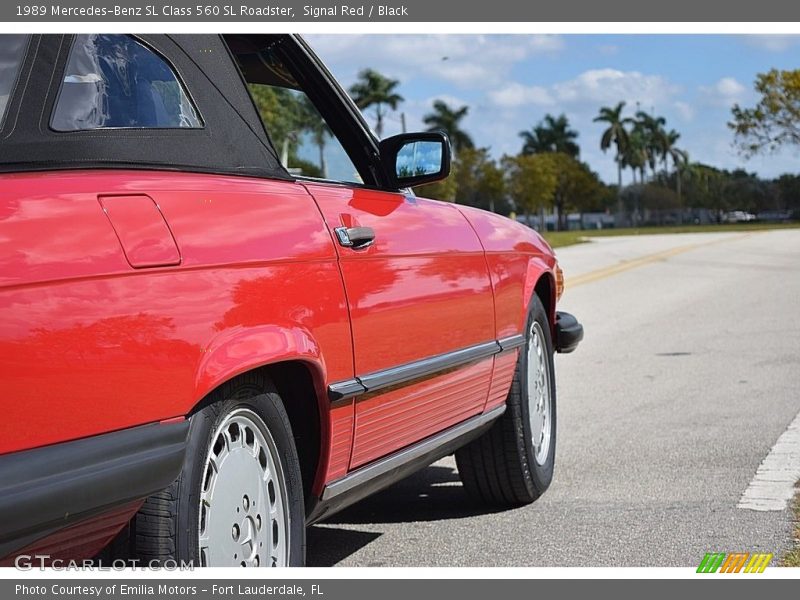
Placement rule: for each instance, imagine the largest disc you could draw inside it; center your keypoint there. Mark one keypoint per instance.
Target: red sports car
(226, 316)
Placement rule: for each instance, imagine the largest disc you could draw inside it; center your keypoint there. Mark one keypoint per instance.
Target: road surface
(689, 373)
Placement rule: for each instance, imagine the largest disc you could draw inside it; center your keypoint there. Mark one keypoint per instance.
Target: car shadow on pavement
(433, 494)
(326, 546)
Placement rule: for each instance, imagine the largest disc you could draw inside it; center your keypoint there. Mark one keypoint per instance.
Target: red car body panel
(84, 539)
(143, 234)
(424, 288)
(401, 417)
(502, 375)
(421, 289)
(91, 345)
(517, 258)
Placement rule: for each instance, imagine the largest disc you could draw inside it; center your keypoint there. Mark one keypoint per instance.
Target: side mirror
(411, 159)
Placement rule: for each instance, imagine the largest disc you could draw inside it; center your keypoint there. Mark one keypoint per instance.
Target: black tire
(499, 468)
(166, 527)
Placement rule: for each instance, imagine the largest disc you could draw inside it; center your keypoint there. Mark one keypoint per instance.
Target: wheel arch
(541, 281)
(292, 362)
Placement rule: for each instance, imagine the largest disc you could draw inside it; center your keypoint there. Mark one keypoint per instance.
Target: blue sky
(511, 81)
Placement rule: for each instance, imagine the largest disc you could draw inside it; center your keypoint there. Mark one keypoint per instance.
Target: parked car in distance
(738, 216)
(204, 348)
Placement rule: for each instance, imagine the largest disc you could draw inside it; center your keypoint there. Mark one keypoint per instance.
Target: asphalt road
(689, 373)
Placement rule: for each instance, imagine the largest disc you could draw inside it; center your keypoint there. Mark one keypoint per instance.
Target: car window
(306, 145)
(12, 48)
(302, 138)
(114, 81)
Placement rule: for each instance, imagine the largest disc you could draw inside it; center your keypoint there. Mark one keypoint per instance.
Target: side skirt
(380, 474)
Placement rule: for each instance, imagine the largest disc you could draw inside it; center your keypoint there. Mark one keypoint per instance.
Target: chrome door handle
(355, 237)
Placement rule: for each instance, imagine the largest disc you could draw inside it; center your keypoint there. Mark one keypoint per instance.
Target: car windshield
(12, 48)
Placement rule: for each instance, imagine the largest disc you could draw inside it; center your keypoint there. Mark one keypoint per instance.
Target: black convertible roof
(232, 139)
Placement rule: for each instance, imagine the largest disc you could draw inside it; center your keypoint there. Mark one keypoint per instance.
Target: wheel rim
(243, 516)
(539, 400)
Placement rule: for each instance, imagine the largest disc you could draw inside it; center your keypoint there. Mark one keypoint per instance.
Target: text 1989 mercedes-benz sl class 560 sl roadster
(224, 314)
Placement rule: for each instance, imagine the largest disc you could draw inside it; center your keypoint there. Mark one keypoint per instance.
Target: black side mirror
(411, 159)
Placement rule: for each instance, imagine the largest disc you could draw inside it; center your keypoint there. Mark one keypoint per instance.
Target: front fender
(540, 267)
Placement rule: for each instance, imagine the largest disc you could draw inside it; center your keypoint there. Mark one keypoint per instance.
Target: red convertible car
(225, 314)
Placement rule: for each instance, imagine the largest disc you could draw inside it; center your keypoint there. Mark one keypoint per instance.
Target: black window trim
(99, 130)
(329, 98)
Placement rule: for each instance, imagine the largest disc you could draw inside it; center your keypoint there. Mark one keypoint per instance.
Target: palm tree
(448, 120)
(534, 141)
(635, 156)
(373, 89)
(652, 129)
(552, 134)
(680, 158)
(616, 134)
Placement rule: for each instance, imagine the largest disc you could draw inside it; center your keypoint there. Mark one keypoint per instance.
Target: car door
(419, 292)
(419, 299)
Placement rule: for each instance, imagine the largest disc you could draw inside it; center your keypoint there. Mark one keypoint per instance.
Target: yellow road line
(627, 265)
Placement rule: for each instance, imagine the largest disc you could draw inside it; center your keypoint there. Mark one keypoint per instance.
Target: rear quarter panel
(89, 344)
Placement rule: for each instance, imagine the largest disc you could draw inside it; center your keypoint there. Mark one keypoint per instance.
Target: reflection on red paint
(103, 346)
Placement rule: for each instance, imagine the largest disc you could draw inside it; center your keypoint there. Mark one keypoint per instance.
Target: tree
(679, 160)
(373, 89)
(286, 117)
(788, 189)
(652, 133)
(448, 120)
(722, 191)
(552, 134)
(279, 110)
(635, 156)
(315, 125)
(577, 188)
(531, 182)
(616, 133)
(704, 187)
(475, 180)
(659, 201)
(775, 120)
(480, 182)
(491, 188)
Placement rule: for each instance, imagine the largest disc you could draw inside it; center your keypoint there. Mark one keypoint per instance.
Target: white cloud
(728, 86)
(773, 43)
(467, 61)
(515, 94)
(595, 88)
(725, 92)
(545, 44)
(609, 86)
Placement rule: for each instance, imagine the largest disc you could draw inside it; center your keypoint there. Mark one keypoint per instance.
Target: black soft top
(232, 139)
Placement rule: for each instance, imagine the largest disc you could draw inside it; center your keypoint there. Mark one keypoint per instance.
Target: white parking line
(773, 485)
